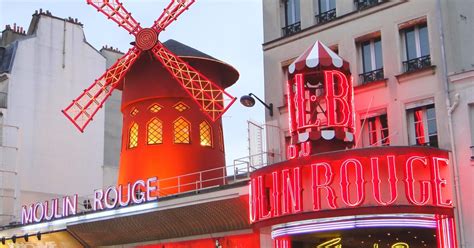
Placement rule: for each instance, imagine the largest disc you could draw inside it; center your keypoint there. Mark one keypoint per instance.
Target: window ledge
(371, 86)
(406, 76)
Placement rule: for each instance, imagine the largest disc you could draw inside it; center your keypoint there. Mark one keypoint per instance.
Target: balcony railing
(291, 29)
(364, 4)
(3, 100)
(326, 16)
(371, 76)
(417, 63)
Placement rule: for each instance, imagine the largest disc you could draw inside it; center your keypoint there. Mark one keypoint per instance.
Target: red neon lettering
(291, 191)
(305, 149)
(359, 182)
(300, 101)
(264, 212)
(121, 199)
(439, 182)
(317, 185)
(38, 212)
(276, 194)
(392, 180)
(69, 206)
(253, 201)
(338, 108)
(291, 152)
(291, 107)
(410, 182)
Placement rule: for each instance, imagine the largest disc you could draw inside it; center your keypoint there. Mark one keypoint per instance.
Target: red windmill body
(171, 103)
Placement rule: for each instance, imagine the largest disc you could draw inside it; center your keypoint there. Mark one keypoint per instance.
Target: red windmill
(141, 92)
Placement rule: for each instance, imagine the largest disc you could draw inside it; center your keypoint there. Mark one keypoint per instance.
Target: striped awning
(318, 55)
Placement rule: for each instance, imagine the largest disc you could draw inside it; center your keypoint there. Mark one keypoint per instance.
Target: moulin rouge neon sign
(140, 191)
(318, 101)
(375, 177)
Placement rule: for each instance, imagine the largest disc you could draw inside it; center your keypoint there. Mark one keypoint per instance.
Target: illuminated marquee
(319, 103)
(375, 177)
(138, 192)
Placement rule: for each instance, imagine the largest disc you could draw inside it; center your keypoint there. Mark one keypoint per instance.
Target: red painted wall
(238, 241)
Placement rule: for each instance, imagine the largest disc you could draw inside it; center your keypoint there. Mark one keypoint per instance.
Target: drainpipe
(451, 108)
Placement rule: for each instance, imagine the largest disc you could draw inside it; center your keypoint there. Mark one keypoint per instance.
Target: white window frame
(286, 17)
(412, 138)
(373, 64)
(366, 132)
(416, 30)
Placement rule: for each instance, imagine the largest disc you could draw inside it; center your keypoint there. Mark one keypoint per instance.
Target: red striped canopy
(318, 55)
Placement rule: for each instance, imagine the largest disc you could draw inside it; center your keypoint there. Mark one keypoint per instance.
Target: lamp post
(249, 101)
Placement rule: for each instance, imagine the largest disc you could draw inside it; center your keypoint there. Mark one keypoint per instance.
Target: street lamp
(249, 101)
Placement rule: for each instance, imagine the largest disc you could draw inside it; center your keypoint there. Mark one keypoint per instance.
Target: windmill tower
(172, 101)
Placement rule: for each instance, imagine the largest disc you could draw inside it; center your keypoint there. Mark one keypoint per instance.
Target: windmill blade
(212, 99)
(171, 13)
(114, 10)
(81, 111)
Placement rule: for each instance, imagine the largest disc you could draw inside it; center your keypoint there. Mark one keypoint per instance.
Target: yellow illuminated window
(134, 112)
(182, 131)
(221, 138)
(180, 106)
(155, 132)
(133, 136)
(205, 133)
(155, 108)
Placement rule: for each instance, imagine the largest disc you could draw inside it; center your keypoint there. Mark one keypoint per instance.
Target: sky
(229, 30)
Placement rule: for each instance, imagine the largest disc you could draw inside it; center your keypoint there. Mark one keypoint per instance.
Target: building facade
(412, 67)
(42, 68)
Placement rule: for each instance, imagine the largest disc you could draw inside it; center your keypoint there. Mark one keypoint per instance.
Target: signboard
(373, 177)
(114, 196)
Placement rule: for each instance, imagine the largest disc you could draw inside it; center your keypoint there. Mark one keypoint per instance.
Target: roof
(7, 55)
(183, 50)
(318, 56)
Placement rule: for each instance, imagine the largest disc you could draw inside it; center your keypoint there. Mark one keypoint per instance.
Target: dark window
(422, 124)
(326, 11)
(377, 131)
(372, 61)
(417, 48)
(292, 17)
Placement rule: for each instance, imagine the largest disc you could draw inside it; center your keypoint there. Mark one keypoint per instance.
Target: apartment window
(133, 136)
(372, 61)
(327, 11)
(154, 132)
(292, 17)
(417, 48)
(375, 131)
(364, 4)
(182, 130)
(422, 126)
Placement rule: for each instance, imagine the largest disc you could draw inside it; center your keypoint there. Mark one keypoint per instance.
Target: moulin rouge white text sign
(114, 196)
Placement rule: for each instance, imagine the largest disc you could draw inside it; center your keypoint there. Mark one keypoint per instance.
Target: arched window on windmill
(133, 136)
(205, 134)
(155, 132)
(181, 131)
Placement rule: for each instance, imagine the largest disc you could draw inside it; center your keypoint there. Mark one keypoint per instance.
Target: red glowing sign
(375, 177)
(318, 101)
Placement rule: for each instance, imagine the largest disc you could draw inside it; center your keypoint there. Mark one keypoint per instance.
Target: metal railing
(326, 16)
(3, 99)
(371, 76)
(417, 63)
(291, 29)
(364, 4)
(195, 182)
(472, 152)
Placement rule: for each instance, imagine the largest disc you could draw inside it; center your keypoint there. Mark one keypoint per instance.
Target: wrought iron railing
(472, 152)
(326, 16)
(364, 4)
(371, 76)
(417, 63)
(3, 100)
(291, 29)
